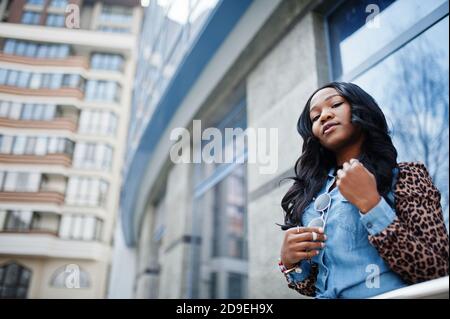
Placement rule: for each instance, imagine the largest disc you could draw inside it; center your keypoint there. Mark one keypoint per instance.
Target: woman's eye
(333, 106)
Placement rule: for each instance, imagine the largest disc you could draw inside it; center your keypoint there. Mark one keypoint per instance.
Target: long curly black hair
(378, 153)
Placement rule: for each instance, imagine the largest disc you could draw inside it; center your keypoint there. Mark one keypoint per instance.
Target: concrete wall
(277, 90)
(174, 259)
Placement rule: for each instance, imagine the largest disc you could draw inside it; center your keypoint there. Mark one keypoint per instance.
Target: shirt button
(298, 270)
(369, 225)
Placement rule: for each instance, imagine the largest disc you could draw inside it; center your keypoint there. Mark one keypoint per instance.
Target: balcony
(45, 189)
(39, 116)
(62, 92)
(49, 245)
(72, 61)
(59, 123)
(41, 197)
(49, 159)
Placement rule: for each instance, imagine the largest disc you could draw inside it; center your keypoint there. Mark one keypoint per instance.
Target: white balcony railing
(433, 289)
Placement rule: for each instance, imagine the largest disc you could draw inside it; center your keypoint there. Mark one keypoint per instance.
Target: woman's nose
(326, 115)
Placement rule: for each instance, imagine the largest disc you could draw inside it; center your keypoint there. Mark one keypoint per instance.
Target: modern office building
(199, 230)
(66, 74)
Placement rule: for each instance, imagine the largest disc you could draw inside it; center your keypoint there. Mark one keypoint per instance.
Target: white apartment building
(65, 95)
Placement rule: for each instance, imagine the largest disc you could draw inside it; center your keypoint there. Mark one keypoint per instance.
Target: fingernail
(320, 230)
(325, 237)
(317, 252)
(323, 245)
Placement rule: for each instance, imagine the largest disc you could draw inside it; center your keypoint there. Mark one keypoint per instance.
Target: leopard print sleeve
(416, 244)
(306, 287)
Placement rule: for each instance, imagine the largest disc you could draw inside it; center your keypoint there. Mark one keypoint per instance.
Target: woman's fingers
(307, 255)
(308, 246)
(309, 236)
(301, 230)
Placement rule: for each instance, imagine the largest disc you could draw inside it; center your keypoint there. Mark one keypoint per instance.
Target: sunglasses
(321, 204)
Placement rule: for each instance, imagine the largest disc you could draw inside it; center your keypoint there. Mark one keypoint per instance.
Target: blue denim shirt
(349, 266)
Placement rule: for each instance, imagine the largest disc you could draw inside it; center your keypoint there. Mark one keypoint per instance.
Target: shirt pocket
(348, 219)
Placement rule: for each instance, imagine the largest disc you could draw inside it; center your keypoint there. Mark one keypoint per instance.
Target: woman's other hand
(298, 245)
(358, 185)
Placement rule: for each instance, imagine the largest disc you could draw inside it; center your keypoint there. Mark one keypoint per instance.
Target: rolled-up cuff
(303, 271)
(378, 218)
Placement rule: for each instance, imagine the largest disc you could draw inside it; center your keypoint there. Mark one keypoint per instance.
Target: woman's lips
(330, 129)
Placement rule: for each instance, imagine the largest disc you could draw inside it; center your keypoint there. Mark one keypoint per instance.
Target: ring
(314, 236)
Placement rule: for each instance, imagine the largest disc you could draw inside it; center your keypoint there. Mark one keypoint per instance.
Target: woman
(377, 225)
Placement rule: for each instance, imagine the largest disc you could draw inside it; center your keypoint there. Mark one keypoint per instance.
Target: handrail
(432, 289)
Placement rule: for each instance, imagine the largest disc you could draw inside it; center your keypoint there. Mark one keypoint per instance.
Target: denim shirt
(349, 266)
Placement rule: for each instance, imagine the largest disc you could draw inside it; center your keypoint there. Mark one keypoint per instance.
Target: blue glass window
(407, 72)
(55, 20)
(356, 31)
(29, 17)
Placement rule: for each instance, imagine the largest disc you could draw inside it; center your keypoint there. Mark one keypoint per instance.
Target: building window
(237, 285)
(30, 17)
(107, 91)
(79, 227)
(36, 50)
(220, 219)
(24, 79)
(20, 182)
(116, 14)
(412, 61)
(14, 281)
(92, 156)
(84, 191)
(97, 122)
(18, 220)
(35, 145)
(61, 279)
(25, 221)
(59, 3)
(36, 2)
(105, 61)
(55, 20)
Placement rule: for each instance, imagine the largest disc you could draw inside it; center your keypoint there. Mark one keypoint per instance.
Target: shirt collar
(331, 172)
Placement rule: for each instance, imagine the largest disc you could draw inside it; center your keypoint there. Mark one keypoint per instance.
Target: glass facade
(169, 30)
(410, 53)
(220, 219)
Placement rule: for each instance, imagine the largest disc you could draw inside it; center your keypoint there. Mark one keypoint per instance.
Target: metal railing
(433, 289)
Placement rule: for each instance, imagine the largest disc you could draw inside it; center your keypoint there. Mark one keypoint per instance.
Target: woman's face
(330, 115)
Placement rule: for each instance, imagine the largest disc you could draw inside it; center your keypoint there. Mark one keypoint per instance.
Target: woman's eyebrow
(326, 99)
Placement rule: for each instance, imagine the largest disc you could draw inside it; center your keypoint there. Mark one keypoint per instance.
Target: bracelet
(286, 271)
